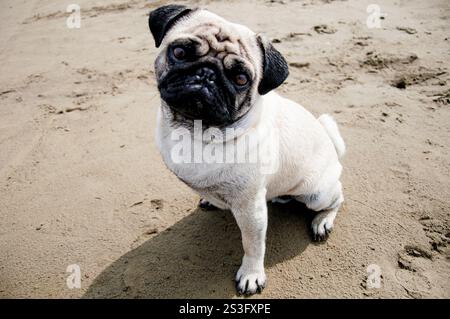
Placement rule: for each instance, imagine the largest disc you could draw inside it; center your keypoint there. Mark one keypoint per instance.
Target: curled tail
(333, 132)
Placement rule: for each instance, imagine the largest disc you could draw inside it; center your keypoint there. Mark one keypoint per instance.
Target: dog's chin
(208, 118)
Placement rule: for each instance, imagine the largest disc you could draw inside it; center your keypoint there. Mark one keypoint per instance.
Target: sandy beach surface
(82, 183)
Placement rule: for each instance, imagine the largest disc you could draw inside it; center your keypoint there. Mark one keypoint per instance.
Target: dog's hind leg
(211, 203)
(204, 204)
(322, 223)
(327, 204)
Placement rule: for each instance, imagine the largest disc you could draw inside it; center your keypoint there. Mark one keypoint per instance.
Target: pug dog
(216, 80)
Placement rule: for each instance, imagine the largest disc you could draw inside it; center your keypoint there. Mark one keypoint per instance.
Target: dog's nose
(205, 73)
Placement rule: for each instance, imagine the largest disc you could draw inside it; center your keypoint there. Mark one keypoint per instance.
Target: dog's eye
(179, 53)
(240, 79)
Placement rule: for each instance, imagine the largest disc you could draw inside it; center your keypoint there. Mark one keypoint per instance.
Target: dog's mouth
(199, 93)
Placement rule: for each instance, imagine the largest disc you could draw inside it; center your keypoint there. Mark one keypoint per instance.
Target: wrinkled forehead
(217, 37)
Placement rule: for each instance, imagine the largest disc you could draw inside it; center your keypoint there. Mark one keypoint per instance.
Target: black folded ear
(275, 68)
(162, 19)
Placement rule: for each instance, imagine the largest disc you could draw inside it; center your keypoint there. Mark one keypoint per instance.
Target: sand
(81, 181)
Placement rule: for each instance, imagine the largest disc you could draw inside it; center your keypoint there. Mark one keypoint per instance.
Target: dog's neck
(229, 132)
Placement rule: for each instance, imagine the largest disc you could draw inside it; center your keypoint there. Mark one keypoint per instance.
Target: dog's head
(211, 69)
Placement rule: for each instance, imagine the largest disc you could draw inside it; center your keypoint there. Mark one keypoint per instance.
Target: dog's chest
(187, 159)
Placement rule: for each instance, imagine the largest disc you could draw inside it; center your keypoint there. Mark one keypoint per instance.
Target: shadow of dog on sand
(199, 255)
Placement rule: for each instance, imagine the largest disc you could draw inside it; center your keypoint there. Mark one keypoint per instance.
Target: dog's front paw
(249, 282)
